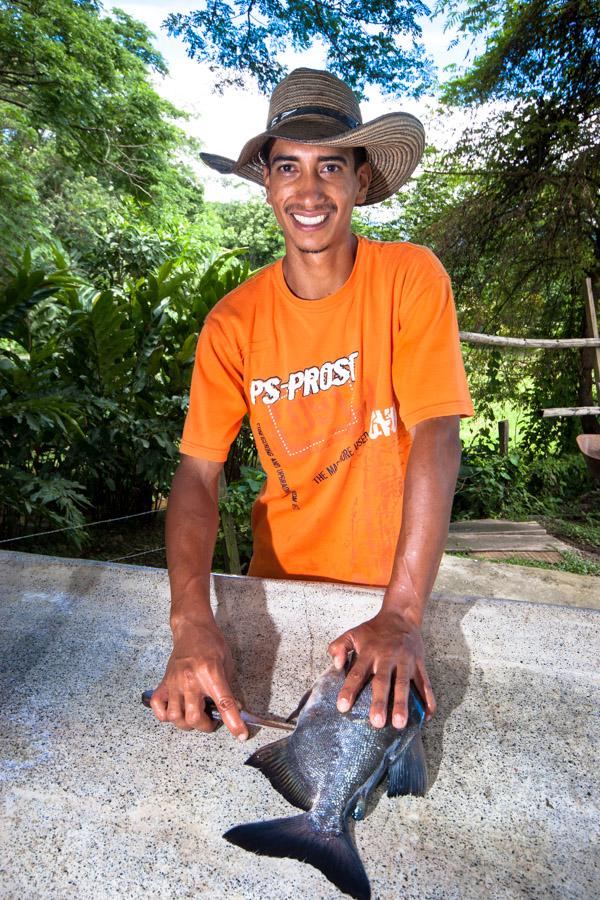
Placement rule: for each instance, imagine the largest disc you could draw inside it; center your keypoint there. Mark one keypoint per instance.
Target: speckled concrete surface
(100, 801)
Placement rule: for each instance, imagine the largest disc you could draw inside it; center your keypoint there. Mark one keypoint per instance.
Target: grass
(584, 533)
(569, 562)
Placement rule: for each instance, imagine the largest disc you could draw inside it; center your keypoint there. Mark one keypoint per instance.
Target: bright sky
(225, 122)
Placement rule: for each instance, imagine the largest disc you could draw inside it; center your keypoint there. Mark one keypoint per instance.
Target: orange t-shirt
(331, 387)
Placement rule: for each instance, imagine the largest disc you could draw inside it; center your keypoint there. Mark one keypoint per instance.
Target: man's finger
(426, 691)
(400, 707)
(195, 713)
(380, 694)
(355, 679)
(339, 650)
(175, 711)
(158, 703)
(228, 708)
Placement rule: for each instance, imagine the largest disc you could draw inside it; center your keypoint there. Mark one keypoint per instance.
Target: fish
(328, 766)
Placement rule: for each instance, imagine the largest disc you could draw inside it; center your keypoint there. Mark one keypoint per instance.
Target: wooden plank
(550, 556)
(490, 526)
(570, 411)
(496, 340)
(515, 542)
(592, 328)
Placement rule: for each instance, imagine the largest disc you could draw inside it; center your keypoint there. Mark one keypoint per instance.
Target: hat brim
(394, 144)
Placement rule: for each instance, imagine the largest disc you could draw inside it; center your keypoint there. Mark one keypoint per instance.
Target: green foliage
(367, 43)
(82, 126)
(517, 485)
(240, 498)
(84, 77)
(542, 47)
(94, 387)
(512, 209)
(252, 225)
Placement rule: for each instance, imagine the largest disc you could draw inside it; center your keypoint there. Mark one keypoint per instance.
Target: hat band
(314, 111)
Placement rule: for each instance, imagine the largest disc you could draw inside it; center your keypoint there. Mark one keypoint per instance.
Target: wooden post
(503, 435)
(228, 524)
(592, 330)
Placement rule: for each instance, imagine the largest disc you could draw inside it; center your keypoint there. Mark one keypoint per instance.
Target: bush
(94, 387)
(240, 498)
(516, 485)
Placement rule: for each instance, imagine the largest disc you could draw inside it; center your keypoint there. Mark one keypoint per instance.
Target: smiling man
(345, 355)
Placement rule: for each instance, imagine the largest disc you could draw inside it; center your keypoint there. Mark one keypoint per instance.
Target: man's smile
(309, 220)
(306, 220)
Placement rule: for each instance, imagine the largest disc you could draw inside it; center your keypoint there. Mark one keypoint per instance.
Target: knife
(210, 708)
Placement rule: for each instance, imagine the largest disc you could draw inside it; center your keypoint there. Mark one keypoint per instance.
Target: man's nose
(310, 186)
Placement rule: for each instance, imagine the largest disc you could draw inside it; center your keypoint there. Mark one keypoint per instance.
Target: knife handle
(209, 705)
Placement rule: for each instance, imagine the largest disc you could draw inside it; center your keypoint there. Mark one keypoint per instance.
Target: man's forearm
(428, 492)
(200, 664)
(191, 532)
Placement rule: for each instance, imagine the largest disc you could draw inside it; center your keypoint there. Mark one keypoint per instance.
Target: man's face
(313, 191)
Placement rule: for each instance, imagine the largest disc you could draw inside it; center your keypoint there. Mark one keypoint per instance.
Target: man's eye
(285, 167)
(332, 167)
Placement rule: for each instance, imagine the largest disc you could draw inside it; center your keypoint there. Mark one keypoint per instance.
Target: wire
(85, 525)
(141, 553)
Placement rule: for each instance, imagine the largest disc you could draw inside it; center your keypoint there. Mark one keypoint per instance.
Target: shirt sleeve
(428, 371)
(217, 401)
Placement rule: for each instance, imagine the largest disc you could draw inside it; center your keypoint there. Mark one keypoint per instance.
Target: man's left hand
(389, 648)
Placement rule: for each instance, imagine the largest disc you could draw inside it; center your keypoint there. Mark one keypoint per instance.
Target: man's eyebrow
(321, 159)
(341, 159)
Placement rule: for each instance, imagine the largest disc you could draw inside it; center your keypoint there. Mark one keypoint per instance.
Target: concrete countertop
(100, 800)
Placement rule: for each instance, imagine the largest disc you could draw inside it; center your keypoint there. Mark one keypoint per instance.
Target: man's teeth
(309, 220)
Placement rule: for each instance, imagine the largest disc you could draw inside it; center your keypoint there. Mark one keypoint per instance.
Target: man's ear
(266, 173)
(364, 174)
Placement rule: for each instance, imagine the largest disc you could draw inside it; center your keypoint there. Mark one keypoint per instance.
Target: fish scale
(328, 767)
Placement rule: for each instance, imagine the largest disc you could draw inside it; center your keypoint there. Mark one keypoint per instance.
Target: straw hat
(314, 107)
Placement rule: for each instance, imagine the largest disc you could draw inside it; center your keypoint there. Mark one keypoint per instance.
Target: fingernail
(399, 722)
(343, 705)
(242, 737)
(378, 721)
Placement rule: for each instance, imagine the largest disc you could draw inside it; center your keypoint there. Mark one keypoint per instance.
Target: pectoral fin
(278, 763)
(408, 773)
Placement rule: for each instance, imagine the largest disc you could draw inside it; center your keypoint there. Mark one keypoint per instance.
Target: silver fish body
(328, 767)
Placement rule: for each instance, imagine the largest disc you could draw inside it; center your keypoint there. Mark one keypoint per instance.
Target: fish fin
(408, 773)
(333, 854)
(303, 701)
(279, 766)
(416, 706)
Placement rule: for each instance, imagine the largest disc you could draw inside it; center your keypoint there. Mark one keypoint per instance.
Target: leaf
(112, 340)
(165, 270)
(188, 348)
(154, 359)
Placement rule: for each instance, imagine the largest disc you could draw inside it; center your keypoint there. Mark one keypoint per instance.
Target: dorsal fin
(278, 763)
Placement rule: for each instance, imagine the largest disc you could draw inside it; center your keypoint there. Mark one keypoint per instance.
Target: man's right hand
(200, 666)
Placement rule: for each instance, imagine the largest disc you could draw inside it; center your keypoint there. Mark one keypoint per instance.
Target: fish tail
(333, 854)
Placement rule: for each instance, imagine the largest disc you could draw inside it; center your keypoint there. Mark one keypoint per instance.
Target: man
(345, 355)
